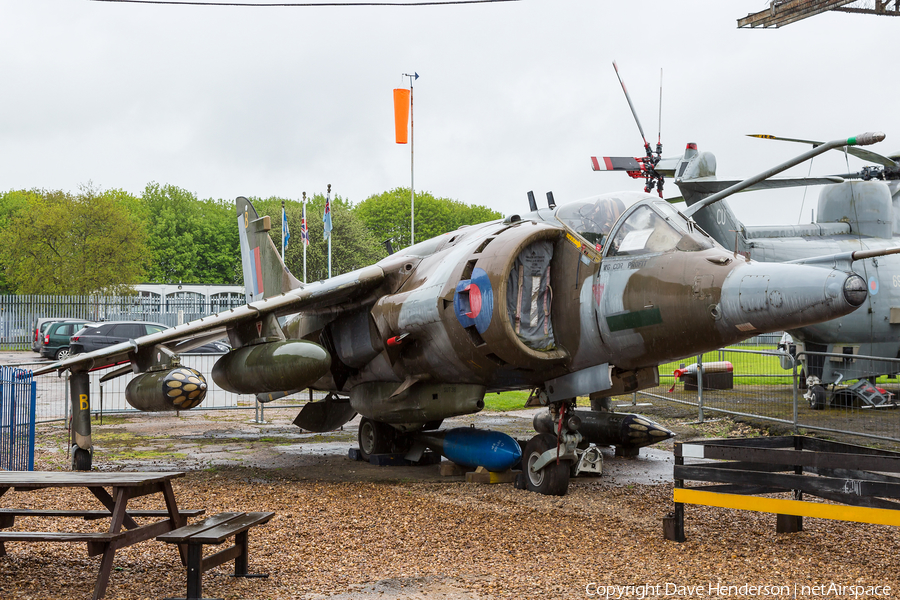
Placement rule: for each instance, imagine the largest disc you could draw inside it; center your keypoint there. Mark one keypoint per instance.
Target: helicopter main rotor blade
(863, 139)
(659, 132)
(630, 105)
(857, 152)
(615, 163)
(717, 185)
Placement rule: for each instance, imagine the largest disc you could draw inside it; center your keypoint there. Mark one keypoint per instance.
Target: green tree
(191, 240)
(387, 215)
(11, 202)
(59, 243)
(352, 246)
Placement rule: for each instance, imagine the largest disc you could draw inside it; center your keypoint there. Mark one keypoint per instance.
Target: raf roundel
(873, 285)
(473, 301)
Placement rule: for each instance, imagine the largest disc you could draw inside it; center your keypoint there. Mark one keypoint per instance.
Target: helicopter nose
(774, 296)
(855, 290)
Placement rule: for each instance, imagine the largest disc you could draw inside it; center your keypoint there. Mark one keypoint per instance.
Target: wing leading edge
(329, 292)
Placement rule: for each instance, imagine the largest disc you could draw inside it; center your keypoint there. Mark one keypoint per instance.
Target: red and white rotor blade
(615, 163)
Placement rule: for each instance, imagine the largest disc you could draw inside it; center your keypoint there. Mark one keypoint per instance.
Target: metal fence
(18, 313)
(109, 397)
(853, 406)
(17, 419)
(766, 385)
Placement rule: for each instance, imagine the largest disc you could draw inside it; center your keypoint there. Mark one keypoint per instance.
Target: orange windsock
(401, 114)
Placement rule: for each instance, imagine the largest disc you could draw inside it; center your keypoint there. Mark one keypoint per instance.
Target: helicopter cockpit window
(645, 231)
(593, 219)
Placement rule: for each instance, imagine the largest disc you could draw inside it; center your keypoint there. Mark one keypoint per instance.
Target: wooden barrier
(857, 478)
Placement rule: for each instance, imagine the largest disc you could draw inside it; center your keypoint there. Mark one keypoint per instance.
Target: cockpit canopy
(649, 226)
(593, 219)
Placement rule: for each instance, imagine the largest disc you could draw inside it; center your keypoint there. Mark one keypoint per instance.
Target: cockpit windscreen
(592, 219)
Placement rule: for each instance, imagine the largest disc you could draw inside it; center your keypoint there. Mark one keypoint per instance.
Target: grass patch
(505, 401)
(110, 420)
(144, 455)
(749, 368)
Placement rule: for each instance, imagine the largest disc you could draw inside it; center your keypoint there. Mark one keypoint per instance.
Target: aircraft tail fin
(265, 274)
(696, 181)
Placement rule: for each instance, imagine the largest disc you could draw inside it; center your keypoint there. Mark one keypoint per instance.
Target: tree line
(56, 242)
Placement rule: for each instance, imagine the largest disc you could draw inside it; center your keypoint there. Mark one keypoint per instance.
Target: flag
(285, 232)
(304, 228)
(326, 218)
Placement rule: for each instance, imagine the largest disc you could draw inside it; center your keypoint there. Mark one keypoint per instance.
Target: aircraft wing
(717, 185)
(853, 150)
(325, 293)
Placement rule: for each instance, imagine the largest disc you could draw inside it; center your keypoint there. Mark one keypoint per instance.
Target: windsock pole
(400, 125)
(412, 168)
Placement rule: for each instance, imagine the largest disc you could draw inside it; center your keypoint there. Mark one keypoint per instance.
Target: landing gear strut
(547, 459)
(83, 448)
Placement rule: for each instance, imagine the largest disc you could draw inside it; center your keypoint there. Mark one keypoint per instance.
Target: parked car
(55, 342)
(100, 335)
(40, 326)
(211, 348)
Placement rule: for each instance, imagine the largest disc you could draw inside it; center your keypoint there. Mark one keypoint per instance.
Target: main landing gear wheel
(374, 438)
(81, 459)
(553, 479)
(816, 397)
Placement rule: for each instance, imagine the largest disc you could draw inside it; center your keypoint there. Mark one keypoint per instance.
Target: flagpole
(304, 235)
(283, 231)
(330, 217)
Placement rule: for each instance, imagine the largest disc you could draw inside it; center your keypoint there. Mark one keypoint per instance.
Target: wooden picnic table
(124, 487)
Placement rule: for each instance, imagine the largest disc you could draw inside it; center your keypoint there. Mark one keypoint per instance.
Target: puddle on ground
(330, 448)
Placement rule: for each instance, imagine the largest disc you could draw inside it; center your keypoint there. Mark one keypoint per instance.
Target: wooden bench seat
(8, 515)
(215, 529)
(97, 542)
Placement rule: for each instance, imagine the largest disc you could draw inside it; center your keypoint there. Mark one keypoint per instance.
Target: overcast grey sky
(514, 96)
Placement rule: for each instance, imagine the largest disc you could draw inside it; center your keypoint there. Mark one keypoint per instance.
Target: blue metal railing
(18, 401)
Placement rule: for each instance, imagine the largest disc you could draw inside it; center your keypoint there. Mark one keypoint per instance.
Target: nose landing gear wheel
(816, 397)
(553, 479)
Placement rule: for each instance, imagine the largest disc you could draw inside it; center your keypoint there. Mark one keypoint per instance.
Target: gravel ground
(351, 530)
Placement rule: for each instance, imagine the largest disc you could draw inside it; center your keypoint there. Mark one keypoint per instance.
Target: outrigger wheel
(553, 479)
(81, 459)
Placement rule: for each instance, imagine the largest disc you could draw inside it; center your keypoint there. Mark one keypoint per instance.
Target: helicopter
(857, 211)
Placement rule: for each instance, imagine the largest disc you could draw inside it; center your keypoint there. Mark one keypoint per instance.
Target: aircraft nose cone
(775, 296)
(855, 290)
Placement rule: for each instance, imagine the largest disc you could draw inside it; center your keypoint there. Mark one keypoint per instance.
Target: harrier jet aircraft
(583, 299)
